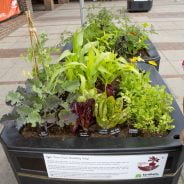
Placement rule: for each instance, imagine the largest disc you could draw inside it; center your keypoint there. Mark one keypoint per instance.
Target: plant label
(103, 131)
(105, 167)
(115, 131)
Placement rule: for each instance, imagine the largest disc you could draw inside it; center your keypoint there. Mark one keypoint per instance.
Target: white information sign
(105, 167)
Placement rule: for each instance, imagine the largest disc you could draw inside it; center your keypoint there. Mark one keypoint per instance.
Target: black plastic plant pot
(86, 160)
(139, 5)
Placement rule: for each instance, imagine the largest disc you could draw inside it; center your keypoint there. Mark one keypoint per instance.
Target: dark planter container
(139, 6)
(153, 54)
(27, 161)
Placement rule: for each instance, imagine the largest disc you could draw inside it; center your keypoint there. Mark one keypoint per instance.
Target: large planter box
(26, 155)
(139, 5)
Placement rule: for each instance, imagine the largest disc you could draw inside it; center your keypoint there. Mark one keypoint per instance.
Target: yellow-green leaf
(152, 62)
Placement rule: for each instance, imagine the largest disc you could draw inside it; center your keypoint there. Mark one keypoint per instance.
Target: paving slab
(167, 68)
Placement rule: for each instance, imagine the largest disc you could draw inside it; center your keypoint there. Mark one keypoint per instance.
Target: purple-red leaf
(84, 111)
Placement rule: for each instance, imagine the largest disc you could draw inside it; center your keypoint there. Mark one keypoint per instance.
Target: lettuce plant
(110, 112)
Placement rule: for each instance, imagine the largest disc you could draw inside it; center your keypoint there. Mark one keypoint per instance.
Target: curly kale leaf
(66, 118)
(14, 98)
(51, 103)
(28, 115)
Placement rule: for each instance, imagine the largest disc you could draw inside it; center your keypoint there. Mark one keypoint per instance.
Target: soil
(144, 54)
(56, 131)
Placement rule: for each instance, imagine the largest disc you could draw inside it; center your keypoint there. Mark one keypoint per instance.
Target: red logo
(150, 165)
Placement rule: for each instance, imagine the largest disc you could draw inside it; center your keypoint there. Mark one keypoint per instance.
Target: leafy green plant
(43, 96)
(66, 118)
(149, 106)
(110, 112)
(133, 38)
(14, 97)
(38, 54)
(116, 32)
(100, 27)
(88, 64)
(65, 38)
(90, 84)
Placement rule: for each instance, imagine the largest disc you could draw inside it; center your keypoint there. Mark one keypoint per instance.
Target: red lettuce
(84, 111)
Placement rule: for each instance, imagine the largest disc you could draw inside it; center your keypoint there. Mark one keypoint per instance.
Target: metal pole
(82, 11)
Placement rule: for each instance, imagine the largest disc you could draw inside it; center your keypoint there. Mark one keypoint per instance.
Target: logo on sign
(151, 165)
(138, 176)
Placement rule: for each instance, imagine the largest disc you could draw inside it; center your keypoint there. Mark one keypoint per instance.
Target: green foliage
(102, 18)
(51, 102)
(28, 115)
(66, 118)
(71, 86)
(100, 27)
(109, 111)
(87, 64)
(149, 106)
(116, 32)
(77, 41)
(37, 106)
(40, 55)
(42, 97)
(64, 93)
(14, 97)
(133, 38)
(65, 37)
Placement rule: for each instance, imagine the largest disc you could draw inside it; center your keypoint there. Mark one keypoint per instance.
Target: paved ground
(167, 16)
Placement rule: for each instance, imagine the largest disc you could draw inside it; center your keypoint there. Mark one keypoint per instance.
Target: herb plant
(133, 38)
(116, 32)
(149, 106)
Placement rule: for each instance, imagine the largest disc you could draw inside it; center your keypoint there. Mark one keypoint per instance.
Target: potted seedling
(91, 117)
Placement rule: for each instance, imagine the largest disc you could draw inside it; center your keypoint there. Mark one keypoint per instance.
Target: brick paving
(14, 23)
(11, 25)
(169, 46)
(167, 16)
(12, 53)
(173, 76)
(59, 18)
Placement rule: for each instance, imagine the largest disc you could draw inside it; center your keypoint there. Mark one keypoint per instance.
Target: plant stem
(34, 40)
